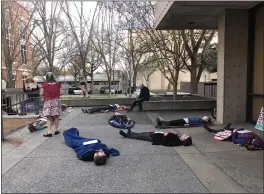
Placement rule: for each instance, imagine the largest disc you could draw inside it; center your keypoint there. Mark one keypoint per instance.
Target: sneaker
(47, 135)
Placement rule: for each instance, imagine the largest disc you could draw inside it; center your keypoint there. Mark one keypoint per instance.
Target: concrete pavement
(48, 165)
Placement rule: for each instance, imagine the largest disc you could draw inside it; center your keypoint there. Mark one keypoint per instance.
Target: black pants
(178, 122)
(227, 127)
(145, 136)
(139, 102)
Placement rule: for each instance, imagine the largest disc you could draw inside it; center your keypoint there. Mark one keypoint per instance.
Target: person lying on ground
(88, 149)
(121, 121)
(39, 124)
(143, 96)
(106, 108)
(159, 138)
(242, 137)
(185, 122)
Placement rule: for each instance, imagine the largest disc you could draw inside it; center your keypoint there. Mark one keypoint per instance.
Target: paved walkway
(48, 165)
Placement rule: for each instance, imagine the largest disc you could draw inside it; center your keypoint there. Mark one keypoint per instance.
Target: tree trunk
(129, 87)
(92, 82)
(75, 80)
(109, 87)
(194, 82)
(134, 80)
(174, 90)
(9, 81)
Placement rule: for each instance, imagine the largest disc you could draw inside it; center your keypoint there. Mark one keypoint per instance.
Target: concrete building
(157, 80)
(240, 24)
(15, 43)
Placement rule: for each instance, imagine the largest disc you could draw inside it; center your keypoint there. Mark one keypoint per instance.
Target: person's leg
(133, 105)
(97, 109)
(178, 122)
(49, 123)
(85, 93)
(140, 136)
(212, 130)
(140, 101)
(56, 122)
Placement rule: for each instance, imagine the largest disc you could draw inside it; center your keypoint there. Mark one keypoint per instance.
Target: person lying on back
(187, 122)
(159, 138)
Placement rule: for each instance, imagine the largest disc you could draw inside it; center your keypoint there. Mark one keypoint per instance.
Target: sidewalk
(48, 165)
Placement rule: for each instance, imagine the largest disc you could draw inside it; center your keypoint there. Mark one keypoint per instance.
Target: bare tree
(106, 41)
(49, 30)
(82, 32)
(16, 31)
(94, 61)
(195, 42)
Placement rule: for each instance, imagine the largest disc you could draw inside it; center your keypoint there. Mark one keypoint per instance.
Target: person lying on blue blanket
(184, 122)
(88, 149)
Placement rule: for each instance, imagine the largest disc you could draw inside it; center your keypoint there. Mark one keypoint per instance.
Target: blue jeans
(97, 109)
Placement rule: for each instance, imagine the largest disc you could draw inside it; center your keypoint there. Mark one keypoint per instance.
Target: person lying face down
(88, 149)
(188, 122)
(159, 138)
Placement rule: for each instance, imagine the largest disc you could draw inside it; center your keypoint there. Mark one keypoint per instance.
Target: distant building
(100, 80)
(157, 80)
(15, 43)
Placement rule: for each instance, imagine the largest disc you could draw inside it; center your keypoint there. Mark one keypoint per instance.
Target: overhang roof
(195, 14)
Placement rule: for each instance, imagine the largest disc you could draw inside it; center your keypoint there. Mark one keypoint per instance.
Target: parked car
(105, 90)
(76, 91)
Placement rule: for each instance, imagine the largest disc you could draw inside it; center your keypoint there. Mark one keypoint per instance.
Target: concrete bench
(179, 105)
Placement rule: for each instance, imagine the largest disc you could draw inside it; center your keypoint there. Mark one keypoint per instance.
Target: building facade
(157, 80)
(240, 25)
(15, 44)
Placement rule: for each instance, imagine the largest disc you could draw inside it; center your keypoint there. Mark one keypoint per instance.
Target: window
(22, 31)
(96, 83)
(23, 51)
(14, 76)
(24, 77)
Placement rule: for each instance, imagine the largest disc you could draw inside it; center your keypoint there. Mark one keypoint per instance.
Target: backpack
(121, 121)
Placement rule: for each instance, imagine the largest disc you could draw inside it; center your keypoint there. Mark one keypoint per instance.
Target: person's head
(29, 80)
(100, 158)
(206, 119)
(186, 140)
(141, 86)
(50, 77)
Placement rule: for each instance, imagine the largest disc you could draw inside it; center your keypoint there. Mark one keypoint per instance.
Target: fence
(210, 89)
(16, 101)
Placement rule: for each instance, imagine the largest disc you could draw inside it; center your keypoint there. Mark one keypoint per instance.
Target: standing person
(51, 90)
(30, 87)
(143, 96)
(83, 86)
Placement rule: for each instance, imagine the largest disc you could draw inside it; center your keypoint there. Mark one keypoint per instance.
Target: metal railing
(16, 101)
(210, 89)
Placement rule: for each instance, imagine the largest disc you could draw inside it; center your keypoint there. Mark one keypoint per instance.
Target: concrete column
(232, 66)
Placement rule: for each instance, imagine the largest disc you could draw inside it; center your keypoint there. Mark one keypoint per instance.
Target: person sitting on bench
(88, 149)
(159, 138)
(187, 122)
(242, 137)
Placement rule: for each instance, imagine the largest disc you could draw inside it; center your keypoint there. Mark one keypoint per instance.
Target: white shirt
(186, 120)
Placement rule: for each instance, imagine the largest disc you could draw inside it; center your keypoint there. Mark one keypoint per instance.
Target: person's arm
(41, 93)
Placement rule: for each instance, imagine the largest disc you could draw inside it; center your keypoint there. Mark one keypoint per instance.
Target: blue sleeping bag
(121, 122)
(74, 141)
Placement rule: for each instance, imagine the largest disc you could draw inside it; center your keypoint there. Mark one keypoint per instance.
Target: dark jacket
(74, 141)
(144, 93)
(170, 140)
